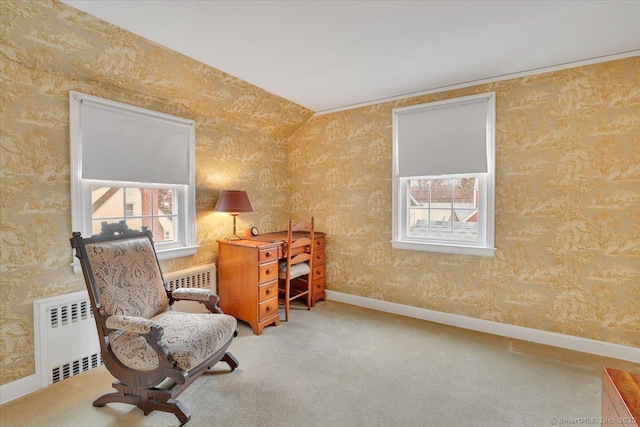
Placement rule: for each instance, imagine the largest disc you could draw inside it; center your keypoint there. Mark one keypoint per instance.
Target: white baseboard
(568, 342)
(19, 388)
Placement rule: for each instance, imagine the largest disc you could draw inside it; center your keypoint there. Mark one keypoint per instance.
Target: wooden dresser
(248, 277)
(620, 398)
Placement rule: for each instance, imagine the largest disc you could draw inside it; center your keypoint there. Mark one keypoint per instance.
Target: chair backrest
(303, 226)
(122, 272)
(294, 256)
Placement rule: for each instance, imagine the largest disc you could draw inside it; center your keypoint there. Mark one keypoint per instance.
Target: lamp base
(234, 236)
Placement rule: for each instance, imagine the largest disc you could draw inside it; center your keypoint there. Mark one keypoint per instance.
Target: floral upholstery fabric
(139, 325)
(190, 339)
(128, 278)
(194, 294)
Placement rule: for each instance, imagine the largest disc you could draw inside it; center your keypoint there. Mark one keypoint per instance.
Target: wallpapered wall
(568, 174)
(567, 206)
(49, 48)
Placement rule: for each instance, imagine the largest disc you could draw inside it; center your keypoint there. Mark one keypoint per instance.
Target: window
(137, 206)
(128, 208)
(134, 165)
(444, 209)
(443, 176)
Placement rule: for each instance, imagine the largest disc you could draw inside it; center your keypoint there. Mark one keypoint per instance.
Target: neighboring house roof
(473, 217)
(104, 198)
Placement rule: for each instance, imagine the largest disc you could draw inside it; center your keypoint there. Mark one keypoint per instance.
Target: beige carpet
(340, 365)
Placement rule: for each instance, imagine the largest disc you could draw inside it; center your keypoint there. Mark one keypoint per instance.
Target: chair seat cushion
(297, 270)
(190, 338)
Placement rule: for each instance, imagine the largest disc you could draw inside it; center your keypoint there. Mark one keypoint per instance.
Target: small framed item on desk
(254, 231)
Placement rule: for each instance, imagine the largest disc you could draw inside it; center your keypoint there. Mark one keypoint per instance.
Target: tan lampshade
(233, 201)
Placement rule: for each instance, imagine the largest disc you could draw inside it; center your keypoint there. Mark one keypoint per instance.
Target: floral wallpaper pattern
(567, 206)
(47, 49)
(567, 186)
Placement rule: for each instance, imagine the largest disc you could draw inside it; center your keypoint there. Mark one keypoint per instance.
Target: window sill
(176, 252)
(442, 248)
(161, 253)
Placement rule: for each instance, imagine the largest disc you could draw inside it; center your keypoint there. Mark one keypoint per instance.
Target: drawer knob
(268, 254)
(268, 308)
(268, 271)
(268, 291)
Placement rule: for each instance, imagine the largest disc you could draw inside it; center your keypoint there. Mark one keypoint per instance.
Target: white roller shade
(134, 145)
(446, 137)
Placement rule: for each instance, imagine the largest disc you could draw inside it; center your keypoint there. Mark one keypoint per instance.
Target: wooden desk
(318, 263)
(620, 398)
(248, 276)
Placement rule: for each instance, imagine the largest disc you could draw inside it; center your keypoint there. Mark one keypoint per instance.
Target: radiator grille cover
(65, 337)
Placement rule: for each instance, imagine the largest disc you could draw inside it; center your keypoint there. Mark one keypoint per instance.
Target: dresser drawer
(318, 286)
(318, 271)
(268, 290)
(318, 256)
(318, 243)
(265, 255)
(268, 308)
(268, 272)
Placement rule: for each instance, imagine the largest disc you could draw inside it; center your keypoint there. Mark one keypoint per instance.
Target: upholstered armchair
(153, 352)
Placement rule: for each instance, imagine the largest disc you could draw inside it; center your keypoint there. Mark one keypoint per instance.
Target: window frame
(486, 185)
(81, 203)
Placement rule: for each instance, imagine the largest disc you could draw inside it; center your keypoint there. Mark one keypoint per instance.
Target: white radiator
(66, 341)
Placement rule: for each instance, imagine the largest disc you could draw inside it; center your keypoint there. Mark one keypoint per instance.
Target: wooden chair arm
(192, 294)
(152, 332)
(137, 325)
(201, 295)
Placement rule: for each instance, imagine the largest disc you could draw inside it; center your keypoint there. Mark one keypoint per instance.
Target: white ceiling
(327, 55)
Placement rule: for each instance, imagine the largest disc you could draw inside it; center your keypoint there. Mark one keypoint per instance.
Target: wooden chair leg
(116, 397)
(147, 400)
(287, 302)
(231, 361)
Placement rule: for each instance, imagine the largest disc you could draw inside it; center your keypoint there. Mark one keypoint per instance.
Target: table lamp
(234, 202)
